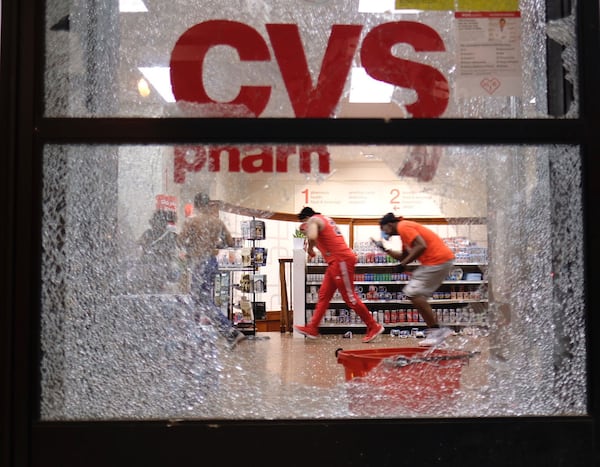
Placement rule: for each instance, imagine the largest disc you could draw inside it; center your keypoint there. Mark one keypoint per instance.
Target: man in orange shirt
(323, 233)
(437, 260)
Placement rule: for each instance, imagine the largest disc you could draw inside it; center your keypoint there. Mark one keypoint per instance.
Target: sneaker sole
(370, 339)
(430, 343)
(305, 334)
(437, 341)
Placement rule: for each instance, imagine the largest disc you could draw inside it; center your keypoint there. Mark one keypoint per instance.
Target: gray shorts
(426, 279)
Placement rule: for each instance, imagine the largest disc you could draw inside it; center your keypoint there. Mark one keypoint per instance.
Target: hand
(400, 268)
(378, 244)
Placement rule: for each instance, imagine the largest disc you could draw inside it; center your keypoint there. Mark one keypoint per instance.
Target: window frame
(24, 132)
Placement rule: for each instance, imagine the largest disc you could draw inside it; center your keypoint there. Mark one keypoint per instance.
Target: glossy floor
(314, 361)
(295, 377)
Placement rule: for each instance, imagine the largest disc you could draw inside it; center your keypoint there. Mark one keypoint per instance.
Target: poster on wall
(488, 54)
(166, 202)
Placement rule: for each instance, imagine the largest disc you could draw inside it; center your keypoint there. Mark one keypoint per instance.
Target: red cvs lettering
(187, 61)
(320, 100)
(431, 86)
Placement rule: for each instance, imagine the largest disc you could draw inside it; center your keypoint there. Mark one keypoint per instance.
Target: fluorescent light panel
(376, 6)
(363, 88)
(132, 6)
(366, 90)
(382, 6)
(160, 79)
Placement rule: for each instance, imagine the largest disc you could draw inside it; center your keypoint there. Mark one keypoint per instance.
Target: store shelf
(243, 306)
(406, 302)
(458, 302)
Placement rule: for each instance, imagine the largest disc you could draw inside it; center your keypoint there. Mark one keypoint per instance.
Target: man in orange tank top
(323, 233)
(437, 260)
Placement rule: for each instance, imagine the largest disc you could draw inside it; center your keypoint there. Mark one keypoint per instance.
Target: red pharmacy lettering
(249, 159)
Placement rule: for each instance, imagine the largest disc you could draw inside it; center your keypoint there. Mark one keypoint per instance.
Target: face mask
(384, 235)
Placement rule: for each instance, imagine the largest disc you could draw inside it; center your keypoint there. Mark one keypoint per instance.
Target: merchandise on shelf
(460, 302)
(240, 265)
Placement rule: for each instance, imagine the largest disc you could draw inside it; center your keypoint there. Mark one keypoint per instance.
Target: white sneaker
(436, 336)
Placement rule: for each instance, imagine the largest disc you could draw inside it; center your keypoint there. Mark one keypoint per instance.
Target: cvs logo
(308, 100)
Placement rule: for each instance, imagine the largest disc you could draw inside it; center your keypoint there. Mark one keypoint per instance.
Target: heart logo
(490, 84)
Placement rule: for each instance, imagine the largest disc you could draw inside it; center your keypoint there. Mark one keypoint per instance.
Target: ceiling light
(383, 6)
(375, 6)
(132, 6)
(143, 87)
(364, 89)
(160, 79)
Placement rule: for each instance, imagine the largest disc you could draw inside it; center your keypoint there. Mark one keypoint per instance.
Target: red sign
(166, 202)
(422, 163)
(320, 100)
(249, 159)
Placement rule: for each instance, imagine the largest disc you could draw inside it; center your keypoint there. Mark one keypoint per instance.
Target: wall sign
(489, 54)
(249, 159)
(366, 199)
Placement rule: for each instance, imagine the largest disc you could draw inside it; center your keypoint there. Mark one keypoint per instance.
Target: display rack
(241, 283)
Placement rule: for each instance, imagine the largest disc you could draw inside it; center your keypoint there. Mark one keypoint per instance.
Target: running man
(323, 233)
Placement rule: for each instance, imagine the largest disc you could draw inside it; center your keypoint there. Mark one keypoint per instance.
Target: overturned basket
(419, 379)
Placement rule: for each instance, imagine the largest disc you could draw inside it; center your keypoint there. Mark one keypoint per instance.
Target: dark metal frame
(25, 441)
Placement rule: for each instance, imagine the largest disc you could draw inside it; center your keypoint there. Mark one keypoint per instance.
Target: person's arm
(312, 233)
(410, 254)
(182, 238)
(399, 255)
(413, 252)
(310, 248)
(144, 242)
(226, 235)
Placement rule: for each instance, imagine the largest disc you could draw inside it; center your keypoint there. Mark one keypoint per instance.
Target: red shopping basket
(416, 378)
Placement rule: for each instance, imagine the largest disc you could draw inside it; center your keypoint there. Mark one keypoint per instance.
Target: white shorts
(426, 279)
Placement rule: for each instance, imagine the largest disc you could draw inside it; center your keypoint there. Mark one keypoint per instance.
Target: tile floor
(296, 377)
(295, 359)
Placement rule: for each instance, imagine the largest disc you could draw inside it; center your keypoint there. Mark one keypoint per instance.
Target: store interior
(478, 124)
(498, 206)
(362, 185)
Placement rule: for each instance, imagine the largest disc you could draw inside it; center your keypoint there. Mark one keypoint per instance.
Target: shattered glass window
(309, 58)
(123, 336)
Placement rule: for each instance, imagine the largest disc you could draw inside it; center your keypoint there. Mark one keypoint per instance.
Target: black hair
(201, 199)
(307, 212)
(388, 219)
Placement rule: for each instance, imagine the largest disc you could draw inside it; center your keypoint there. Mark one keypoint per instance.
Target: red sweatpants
(339, 275)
